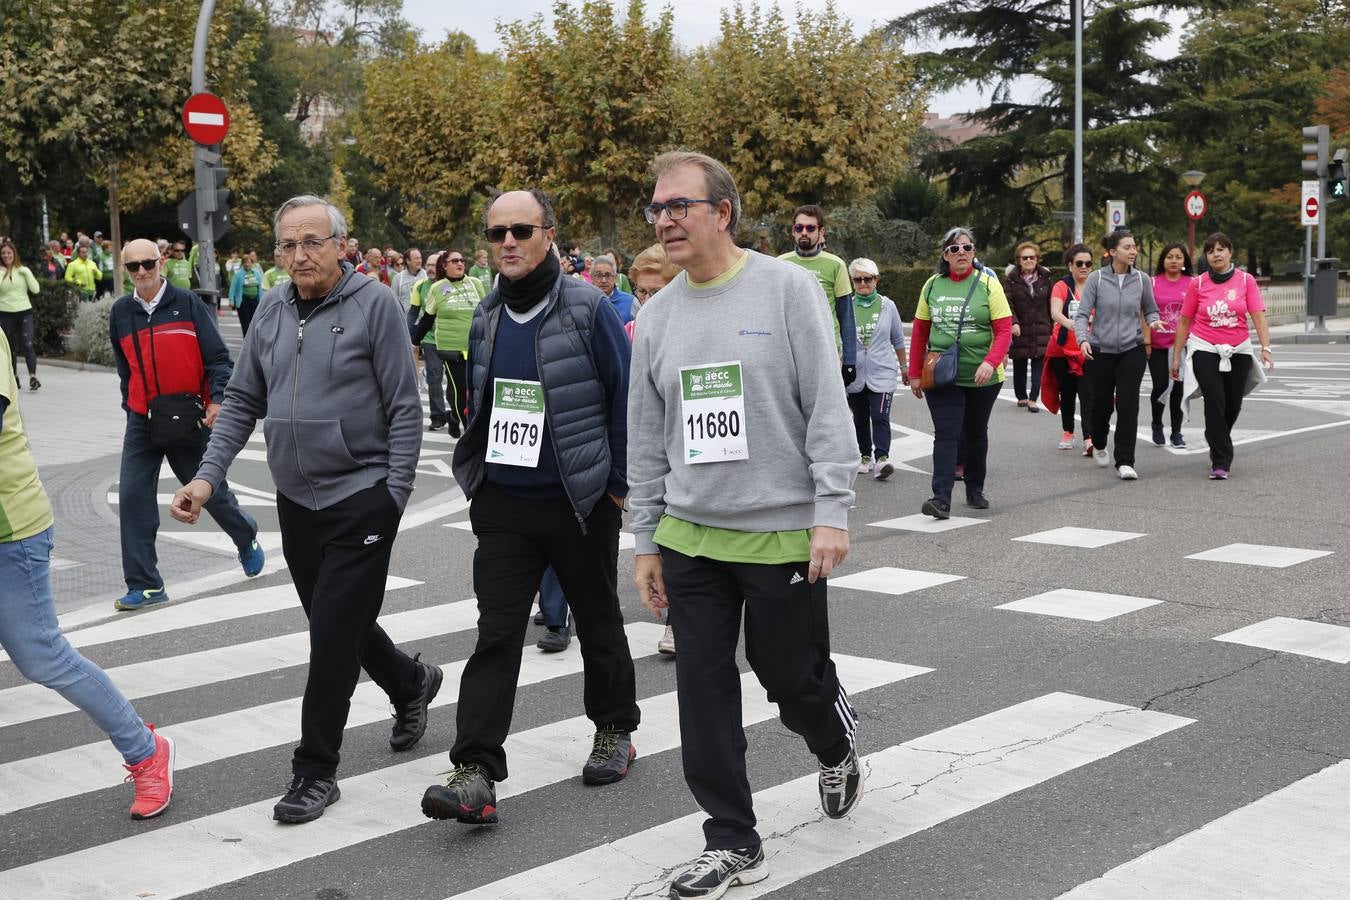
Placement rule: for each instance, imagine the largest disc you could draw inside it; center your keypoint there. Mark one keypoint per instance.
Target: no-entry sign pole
(205, 158)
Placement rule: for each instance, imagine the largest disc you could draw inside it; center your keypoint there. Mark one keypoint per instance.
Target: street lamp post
(1192, 179)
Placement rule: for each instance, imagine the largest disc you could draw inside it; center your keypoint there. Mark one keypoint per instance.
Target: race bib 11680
(517, 425)
(713, 409)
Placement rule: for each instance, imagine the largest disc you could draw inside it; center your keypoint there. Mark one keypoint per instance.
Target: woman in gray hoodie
(1118, 300)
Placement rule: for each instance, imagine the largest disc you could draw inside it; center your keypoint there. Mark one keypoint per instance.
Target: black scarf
(525, 293)
(1218, 278)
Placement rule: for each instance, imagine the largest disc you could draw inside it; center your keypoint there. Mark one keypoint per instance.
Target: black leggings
(1159, 374)
(18, 329)
(1020, 378)
(1072, 387)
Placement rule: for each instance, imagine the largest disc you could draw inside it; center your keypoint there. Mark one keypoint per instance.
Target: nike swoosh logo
(371, 538)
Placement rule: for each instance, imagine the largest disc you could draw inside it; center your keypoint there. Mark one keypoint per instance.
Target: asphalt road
(1099, 737)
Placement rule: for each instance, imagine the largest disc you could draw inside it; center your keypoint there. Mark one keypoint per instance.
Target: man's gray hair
(337, 222)
(606, 259)
(720, 184)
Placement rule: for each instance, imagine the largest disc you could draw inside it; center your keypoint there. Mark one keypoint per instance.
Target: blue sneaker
(253, 559)
(141, 599)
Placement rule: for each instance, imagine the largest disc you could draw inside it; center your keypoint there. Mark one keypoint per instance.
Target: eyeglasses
(864, 279)
(603, 276)
(677, 209)
(1028, 258)
(958, 248)
(136, 265)
(641, 292)
(519, 230)
(809, 229)
(457, 259)
(311, 245)
(1082, 263)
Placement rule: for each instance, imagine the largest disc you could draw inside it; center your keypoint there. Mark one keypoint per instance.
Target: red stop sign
(1311, 207)
(206, 119)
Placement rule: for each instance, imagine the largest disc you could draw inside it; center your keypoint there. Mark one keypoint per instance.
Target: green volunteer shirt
(484, 276)
(940, 302)
(866, 314)
(624, 284)
(24, 508)
(275, 276)
(768, 548)
(178, 272)
(453, 303)
(832, 274)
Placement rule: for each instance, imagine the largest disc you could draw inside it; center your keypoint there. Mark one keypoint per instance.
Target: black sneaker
(977, 500)
(841, 786)
(1177, 440)
(410, 717)
(556, 639)
(306, 799)
(938, 509)
(611, 755)
(1158, 439)
(539, 617)
(435, 426)
(453, 428)
(716, 870)
(467, 796)
(33, 383)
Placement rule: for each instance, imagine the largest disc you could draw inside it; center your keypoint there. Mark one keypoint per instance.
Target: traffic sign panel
(1310, 205)
(1196, 205)
(206, 118)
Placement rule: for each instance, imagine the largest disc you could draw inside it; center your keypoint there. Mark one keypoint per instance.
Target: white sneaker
(884, 469)
(667, 643)
(1066, 442)
(1102, 457)
(1127, 473)
(865, 467)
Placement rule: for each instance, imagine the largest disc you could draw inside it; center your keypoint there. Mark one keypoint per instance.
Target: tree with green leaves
(809, 114)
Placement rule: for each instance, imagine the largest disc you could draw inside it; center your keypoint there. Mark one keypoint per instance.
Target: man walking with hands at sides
(343, 428)
(741, 466)
(166, 344)
(808, 233)
(543, 458)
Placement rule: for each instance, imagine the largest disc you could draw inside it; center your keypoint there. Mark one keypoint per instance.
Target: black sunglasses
(458, 259)
(136, 265)
(1082, 263)
(799, 228)
(520, 231)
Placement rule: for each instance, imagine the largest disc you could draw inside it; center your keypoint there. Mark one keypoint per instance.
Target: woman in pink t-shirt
(1213, 330)
(1169, 290)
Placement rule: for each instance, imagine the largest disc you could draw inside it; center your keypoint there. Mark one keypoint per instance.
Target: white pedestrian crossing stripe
(1321, 640)
(1260, 555)
(206, 852)
(927, 524)
(891, 580)
(1294, 842)
(1093, 606)
(909, 788)
(29, 702)
(1086, 538)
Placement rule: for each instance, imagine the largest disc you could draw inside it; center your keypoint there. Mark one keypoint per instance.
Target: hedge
(91, 333)
(903, 285)
(53, 316)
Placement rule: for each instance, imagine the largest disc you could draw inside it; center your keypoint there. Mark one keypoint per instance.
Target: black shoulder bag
(174, 420)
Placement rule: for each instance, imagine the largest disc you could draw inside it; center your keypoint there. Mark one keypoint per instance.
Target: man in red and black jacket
(166, 342)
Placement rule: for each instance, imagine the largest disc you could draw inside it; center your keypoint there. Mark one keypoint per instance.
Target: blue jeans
(31, 637)
(552, 603)
(138, 504)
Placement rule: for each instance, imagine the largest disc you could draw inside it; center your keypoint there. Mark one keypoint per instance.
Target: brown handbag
(939, 366)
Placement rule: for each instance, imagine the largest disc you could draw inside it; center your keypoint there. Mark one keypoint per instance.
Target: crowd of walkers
(706, 390)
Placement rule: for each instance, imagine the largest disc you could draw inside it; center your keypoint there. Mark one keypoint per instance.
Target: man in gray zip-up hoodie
(326, 366)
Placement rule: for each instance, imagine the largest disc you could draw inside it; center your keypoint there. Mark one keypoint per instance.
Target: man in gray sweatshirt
(343, 424)
(740, 470)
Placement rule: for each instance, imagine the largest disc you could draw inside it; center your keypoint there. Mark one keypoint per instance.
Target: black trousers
(1073, 387)
(457, 386)
(787, 643)
(1223, 401)
(339, 573)
(18, 329)
(1020, 367)
(517, 540)
(960, 434)
(1118, 375)
(247, 307)
(1159, 373)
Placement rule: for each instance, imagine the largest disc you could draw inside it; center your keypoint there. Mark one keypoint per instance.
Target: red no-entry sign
(206, 119)
(1310, 208)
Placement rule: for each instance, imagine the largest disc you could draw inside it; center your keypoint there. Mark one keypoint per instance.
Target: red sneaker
(154, 780)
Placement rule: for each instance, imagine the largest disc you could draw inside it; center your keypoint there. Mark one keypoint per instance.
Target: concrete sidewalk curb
(1311, 337)
(75, 364)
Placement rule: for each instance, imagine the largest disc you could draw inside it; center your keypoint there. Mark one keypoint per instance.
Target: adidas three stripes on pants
(787, 642)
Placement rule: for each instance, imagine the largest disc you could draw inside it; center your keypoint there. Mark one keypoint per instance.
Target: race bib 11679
(517, 425)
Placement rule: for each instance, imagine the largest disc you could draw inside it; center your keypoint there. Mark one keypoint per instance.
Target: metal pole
(1322, 217)
(1307, 271)
(46, 225)
(1078, 121)
(203, 159)
(1192, 240)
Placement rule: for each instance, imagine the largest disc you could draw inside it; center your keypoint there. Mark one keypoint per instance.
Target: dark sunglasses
(460, 259)
(136, 265)
(864, 279)
(809, 229)
(1082, 263)
(1028, 258)
(958, 248)
(520, 231)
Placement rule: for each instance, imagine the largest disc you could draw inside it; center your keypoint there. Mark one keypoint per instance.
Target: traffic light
(1336, 175)
(1320, 137)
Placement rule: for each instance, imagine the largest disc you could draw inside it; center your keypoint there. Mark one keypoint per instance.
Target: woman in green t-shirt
(963, 303)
